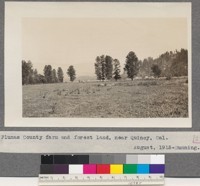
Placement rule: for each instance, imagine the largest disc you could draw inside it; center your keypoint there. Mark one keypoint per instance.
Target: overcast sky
(61, 42)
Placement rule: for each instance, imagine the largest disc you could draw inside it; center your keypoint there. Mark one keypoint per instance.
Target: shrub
(168, 78)
(156, 70)
(147, 83)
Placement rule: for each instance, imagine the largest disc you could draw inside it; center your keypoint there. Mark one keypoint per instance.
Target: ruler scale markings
(157, 179)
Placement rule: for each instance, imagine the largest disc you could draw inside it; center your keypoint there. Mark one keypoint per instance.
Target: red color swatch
(103, 169)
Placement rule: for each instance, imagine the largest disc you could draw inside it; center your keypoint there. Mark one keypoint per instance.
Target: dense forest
(171, 64)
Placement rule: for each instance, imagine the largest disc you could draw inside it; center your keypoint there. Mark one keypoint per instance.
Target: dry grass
(128, 99)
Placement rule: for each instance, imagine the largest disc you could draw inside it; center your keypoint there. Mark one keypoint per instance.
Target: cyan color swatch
(143, 168)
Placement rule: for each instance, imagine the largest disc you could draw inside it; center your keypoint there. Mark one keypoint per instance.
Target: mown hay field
(122, 99)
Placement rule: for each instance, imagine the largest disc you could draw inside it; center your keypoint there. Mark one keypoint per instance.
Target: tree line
(168, 64)
(50, 75)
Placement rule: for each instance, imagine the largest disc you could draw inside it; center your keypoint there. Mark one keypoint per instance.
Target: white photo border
(15, 11)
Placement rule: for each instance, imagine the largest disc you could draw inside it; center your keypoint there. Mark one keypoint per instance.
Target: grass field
(124, 99)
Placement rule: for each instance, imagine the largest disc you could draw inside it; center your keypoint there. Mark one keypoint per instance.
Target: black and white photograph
(120, 64)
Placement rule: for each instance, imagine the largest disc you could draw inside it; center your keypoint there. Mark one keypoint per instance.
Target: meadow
(140, 98)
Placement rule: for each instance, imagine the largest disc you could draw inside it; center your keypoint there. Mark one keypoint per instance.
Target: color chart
(102, 164)
(103, 169)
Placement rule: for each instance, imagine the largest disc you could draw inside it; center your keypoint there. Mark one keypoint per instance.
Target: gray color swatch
(144, 159)
(132, 159)
(95, 159)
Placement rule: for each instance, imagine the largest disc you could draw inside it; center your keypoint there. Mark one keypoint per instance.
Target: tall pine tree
(132, 65)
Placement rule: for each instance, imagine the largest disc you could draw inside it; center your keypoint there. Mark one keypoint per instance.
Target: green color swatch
(130, 169)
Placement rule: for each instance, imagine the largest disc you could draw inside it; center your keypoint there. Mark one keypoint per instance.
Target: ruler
(101, 179)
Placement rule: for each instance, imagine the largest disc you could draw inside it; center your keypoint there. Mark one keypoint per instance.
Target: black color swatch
(71, 159)
(47, 159)
(60, 159)
(83, 159)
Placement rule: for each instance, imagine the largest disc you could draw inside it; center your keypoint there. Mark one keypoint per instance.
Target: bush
(168, 78)
(147, 83)
(156, 70)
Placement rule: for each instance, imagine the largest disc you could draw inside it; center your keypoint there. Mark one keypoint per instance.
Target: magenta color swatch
(89, 169)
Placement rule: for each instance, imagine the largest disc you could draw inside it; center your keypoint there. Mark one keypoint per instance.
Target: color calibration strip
(102, 164)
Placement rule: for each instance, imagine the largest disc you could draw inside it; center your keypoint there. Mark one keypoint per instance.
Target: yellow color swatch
(116, 169)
